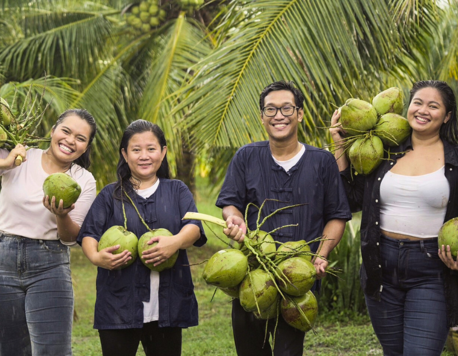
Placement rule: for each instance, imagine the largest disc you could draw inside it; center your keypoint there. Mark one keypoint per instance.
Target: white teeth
(280, 125)
(421, 119)
(65, 148)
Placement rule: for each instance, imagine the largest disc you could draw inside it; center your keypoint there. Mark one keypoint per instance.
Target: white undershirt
(414, 205)
(287, 165)
(151, 308)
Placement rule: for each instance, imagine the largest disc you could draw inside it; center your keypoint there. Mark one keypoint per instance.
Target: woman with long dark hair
(410, 294)
(134, 303)
(36, 293)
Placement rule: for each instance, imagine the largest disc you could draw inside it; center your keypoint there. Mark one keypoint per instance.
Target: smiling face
(144, 156)
(70, 139)
(281, 128)
(427, 112)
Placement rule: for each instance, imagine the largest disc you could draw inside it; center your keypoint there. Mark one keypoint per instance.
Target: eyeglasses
(271, 111)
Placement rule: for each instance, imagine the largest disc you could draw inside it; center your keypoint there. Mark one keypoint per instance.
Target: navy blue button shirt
(121, 293)
(314, 181)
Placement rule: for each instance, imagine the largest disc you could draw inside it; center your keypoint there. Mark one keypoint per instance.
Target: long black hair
(123, 171)
(449, 130)
(85, 159)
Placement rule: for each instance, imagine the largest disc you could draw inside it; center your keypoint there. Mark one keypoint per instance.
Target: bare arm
(332, 233)
(236, 227)
(8, 162)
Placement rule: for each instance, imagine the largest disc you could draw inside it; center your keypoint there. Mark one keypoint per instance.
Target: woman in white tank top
(410, 294)
(36, 293)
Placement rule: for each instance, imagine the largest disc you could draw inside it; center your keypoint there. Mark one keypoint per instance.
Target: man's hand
(320, 266)
(236, 228)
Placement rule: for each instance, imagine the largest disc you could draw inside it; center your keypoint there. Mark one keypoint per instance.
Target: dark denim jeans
(411, 318)
(36, 297)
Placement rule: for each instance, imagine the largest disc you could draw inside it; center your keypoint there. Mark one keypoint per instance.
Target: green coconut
(3, 135)
(153, 10)
(154, 21)
(392, 129)
(162, 14)
(135, 10)
(390, 100)
(290, 311)
(232, 292)
(257, 290)
(448, 235)
(5, 113)
(143, 246)
(226, 268)
(261, 242)
(118, 235)
(144, 6)
(357, 116)
(299, 275)
(294, 248)
(63, 187)
(366, 154)
(271, 311)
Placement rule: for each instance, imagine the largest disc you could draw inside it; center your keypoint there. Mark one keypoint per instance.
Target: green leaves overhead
(179, 49)
(61, 43)
(332, 50)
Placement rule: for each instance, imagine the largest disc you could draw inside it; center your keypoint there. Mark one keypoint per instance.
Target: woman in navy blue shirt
(134, 303)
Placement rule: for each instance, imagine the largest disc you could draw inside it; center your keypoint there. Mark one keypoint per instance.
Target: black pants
(250, 333)
(156, 341)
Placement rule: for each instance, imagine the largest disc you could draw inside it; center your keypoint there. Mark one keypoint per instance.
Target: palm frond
(50, 42)
(328, 48)
(180, 48)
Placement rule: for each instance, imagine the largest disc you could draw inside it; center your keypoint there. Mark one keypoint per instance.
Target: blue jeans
(411, 318)
(36, 297)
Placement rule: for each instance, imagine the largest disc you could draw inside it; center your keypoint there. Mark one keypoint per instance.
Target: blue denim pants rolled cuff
(411, 317)
(36, 297)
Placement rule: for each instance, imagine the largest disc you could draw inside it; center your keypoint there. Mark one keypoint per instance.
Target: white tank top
(414, 205)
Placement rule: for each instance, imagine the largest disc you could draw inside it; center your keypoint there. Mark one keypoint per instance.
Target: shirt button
(451, 169)
(380, 179)
(392, 163)
(378, 243)
(401, 243)
(376, 200)
(376, 223)
(379, 266)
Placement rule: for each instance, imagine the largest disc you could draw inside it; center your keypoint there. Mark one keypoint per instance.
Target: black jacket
(363, 193)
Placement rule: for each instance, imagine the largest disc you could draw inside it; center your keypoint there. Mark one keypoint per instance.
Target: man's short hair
(282, 85)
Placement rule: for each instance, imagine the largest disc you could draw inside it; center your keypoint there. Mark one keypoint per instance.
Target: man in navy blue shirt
(290, 172)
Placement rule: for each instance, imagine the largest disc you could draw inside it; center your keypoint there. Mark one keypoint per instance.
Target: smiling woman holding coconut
(36, 294)
(133, 302)
(410, 294)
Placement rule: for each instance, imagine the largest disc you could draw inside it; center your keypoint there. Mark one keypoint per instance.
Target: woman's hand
(107, 259)
(446, 256)
(165, 248)
(236, 228)
(8, 162)
(60, 210)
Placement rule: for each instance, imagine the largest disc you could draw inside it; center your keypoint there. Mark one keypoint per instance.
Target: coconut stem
(204, 217)
(132, 202)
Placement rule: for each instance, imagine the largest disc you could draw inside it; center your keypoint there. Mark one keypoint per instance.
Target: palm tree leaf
(180, 48)
(327, 48)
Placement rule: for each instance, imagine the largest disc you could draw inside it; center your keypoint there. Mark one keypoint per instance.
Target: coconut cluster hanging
(145, 16)
(270, 278)
(370, 127)
(21, 128)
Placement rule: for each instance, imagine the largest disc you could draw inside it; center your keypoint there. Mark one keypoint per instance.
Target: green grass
(332, 335)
